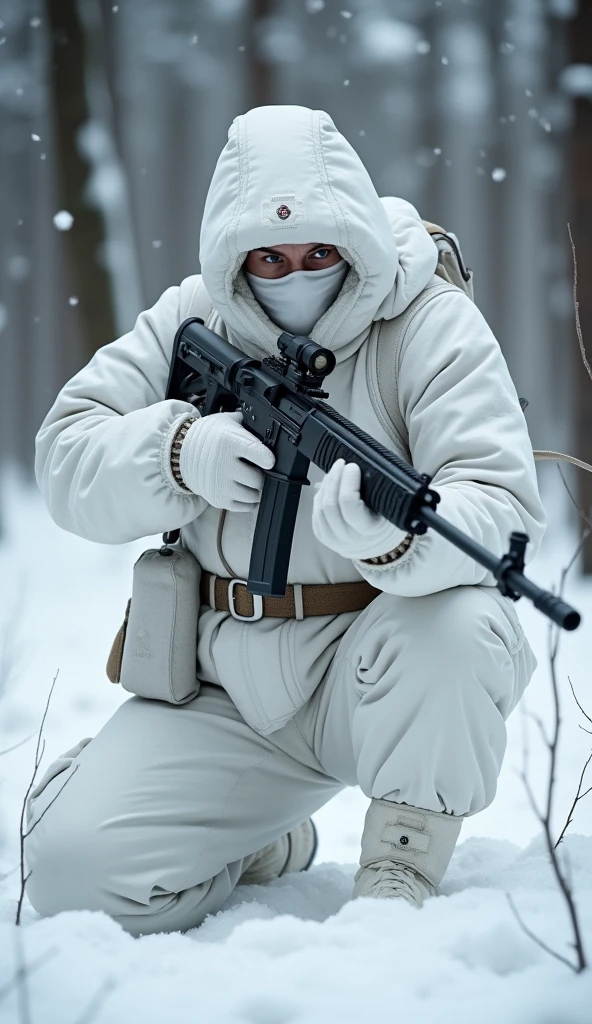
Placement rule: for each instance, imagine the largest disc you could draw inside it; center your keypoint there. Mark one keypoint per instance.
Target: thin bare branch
(540, 726)
(578, 508)
(579, 796)
(28, 968)
(50, 804)
(577, 304)
(585, 713)
(39, 751)
(98, 1000)
(23, 987)
(545, 817)
(535, 938)
(7, 874)
(21, 743)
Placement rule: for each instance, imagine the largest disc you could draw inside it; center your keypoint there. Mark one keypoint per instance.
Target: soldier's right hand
(224, 463)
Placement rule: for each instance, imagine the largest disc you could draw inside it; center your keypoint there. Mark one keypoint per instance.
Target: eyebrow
(274, 252)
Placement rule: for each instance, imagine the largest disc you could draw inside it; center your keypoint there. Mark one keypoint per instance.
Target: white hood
(293, 159)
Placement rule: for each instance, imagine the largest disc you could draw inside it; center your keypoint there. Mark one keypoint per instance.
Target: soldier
(402, 687)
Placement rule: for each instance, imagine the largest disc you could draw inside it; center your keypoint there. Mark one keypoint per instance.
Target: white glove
(342, 522)
(223, 463)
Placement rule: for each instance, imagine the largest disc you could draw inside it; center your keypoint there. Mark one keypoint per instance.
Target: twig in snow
(25, 969)
(585, 713)
(586, 518)
(7, 874)
(105, 990)
(21, 743)
(577, 304)
(579, 796)
(23, 986)
(38, 758)
(544, 817)
(534, 936)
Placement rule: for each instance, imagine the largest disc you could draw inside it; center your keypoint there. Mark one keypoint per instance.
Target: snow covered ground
(297, 951)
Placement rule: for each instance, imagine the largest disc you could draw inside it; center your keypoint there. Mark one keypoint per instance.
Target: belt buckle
(257, 603)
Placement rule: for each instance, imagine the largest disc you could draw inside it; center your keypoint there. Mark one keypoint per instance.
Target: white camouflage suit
(407, 699)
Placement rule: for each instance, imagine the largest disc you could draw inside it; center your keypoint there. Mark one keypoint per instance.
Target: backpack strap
(451, 266)
(200, 303)
(384, 345)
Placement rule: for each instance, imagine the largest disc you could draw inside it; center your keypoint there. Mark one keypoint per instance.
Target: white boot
(405, 851)
(294, 851)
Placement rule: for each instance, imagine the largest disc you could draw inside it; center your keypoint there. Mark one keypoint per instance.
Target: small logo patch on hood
(277, 209)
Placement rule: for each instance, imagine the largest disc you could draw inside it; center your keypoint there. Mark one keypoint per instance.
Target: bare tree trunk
(580, 218)
(260, 74)
(87, 237)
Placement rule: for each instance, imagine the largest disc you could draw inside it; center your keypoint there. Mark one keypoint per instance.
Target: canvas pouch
(155, 652)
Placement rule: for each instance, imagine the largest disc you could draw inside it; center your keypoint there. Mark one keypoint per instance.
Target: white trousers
(151, 819)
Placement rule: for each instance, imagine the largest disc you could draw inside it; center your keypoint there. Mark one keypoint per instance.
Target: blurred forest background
(112, 116)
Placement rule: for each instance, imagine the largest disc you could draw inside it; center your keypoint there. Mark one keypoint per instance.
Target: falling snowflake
(63, 220)
(241, 49)
(3, 316)
(346, 14)
(36, 138)
(437, 151)
(362, 133)
(314, 6)
(498, 173)
(43, 156)
(194, 40)
(346, 81)
(35, 22)
(445, 60)
(73, 300)
(423, 46)
(19, 267)
(156, 244)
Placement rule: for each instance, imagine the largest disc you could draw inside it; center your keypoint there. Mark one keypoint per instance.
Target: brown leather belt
(301, 599)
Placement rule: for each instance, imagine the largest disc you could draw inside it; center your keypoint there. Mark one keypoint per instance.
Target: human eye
(272, 258)
(322, 253)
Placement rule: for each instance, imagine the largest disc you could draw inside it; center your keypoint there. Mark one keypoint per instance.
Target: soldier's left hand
(342, 521)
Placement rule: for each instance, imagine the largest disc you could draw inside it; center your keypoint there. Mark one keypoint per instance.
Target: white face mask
(297, 301)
